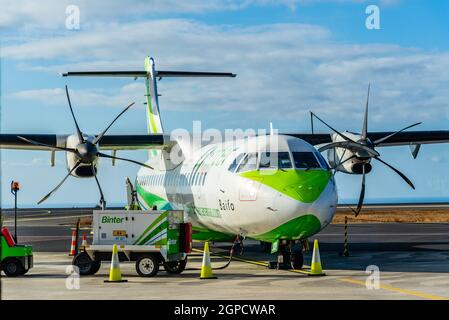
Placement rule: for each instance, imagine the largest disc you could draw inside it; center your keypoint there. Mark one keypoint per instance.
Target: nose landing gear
(290, 256)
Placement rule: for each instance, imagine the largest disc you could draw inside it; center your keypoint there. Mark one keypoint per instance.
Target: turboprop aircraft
(276, 188)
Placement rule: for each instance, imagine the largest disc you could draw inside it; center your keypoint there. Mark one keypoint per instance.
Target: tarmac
(412, 262)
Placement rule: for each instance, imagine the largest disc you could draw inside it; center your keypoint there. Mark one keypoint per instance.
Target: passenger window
(305, 160)
(235, 163)
(275, 160)
(248, 163)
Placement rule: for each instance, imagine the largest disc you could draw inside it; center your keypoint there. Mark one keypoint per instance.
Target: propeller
(86, 151)
(363, 149)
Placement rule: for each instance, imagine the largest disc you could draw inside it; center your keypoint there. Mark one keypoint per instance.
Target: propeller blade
(78, 131)
(104, 155)
(397, 171)
(365, 120)
(100, 136)
(60, 184)
(362, 194)
(99, 186)
(36, 143)
(340, 163)
(334, 130)
(378, 141)
(350, 145)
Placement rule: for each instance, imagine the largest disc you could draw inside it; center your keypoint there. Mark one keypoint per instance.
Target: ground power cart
(15, 259)
(150, 238)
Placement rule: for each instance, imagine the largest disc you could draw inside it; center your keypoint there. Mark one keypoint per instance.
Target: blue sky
(290, 56)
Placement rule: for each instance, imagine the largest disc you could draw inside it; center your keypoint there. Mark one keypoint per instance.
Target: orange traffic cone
(84, 242)
(73, 244)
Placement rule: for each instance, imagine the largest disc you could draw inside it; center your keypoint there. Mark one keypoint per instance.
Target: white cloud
(284, 70)
(32, 15)
(84, 98)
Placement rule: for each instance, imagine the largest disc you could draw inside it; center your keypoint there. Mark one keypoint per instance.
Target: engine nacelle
(341, 155)
(83, 170)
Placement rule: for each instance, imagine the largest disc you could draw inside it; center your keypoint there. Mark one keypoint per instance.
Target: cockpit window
(305, 160)
(236, 162)
(275, 160)
(322, 160)
(248, 163)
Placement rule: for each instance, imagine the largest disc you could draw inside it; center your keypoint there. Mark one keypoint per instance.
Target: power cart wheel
(85, 264)
(297, 260)
(147, 266)
(175, 267)
(12, 267)
(25, 271)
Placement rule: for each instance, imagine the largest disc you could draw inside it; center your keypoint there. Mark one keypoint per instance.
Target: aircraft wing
(399, 139)
(108, 142)
(140, 74)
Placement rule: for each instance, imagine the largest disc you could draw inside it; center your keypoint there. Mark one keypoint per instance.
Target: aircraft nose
(307, 186)
(326, 205)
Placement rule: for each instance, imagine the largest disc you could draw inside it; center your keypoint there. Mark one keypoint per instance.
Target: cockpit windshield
(305, 160)
(236, 162)
(275, 160)
(278, 160)
(249, 163)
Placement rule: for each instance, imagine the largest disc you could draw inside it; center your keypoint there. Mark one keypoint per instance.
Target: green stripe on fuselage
(204, 234)
(298, 228)
(304, 186)
(152, 199)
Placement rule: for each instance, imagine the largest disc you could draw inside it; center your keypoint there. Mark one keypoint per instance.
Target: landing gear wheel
(147, 266)
(175, 267)
(297, 260)
(12, 267)
(85, 264)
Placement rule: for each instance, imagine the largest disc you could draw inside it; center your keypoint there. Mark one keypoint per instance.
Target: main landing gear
(290, 256)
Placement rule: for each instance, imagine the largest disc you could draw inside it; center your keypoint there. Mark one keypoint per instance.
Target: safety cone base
(115, 281)
(316, 274)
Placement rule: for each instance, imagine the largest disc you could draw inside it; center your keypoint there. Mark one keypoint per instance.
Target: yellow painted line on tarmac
(300, 271)
(395, 289)
(255, 262)
(259, 263)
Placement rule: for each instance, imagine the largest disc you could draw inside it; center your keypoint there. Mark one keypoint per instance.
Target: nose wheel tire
(147, 266)
(297, 260)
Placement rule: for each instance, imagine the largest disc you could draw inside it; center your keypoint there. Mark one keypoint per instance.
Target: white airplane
(274, 188)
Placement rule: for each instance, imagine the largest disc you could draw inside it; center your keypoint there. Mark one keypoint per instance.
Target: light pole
(15, 187)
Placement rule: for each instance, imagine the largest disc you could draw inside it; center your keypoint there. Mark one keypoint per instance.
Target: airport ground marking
(255, 262)
(395, 289)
